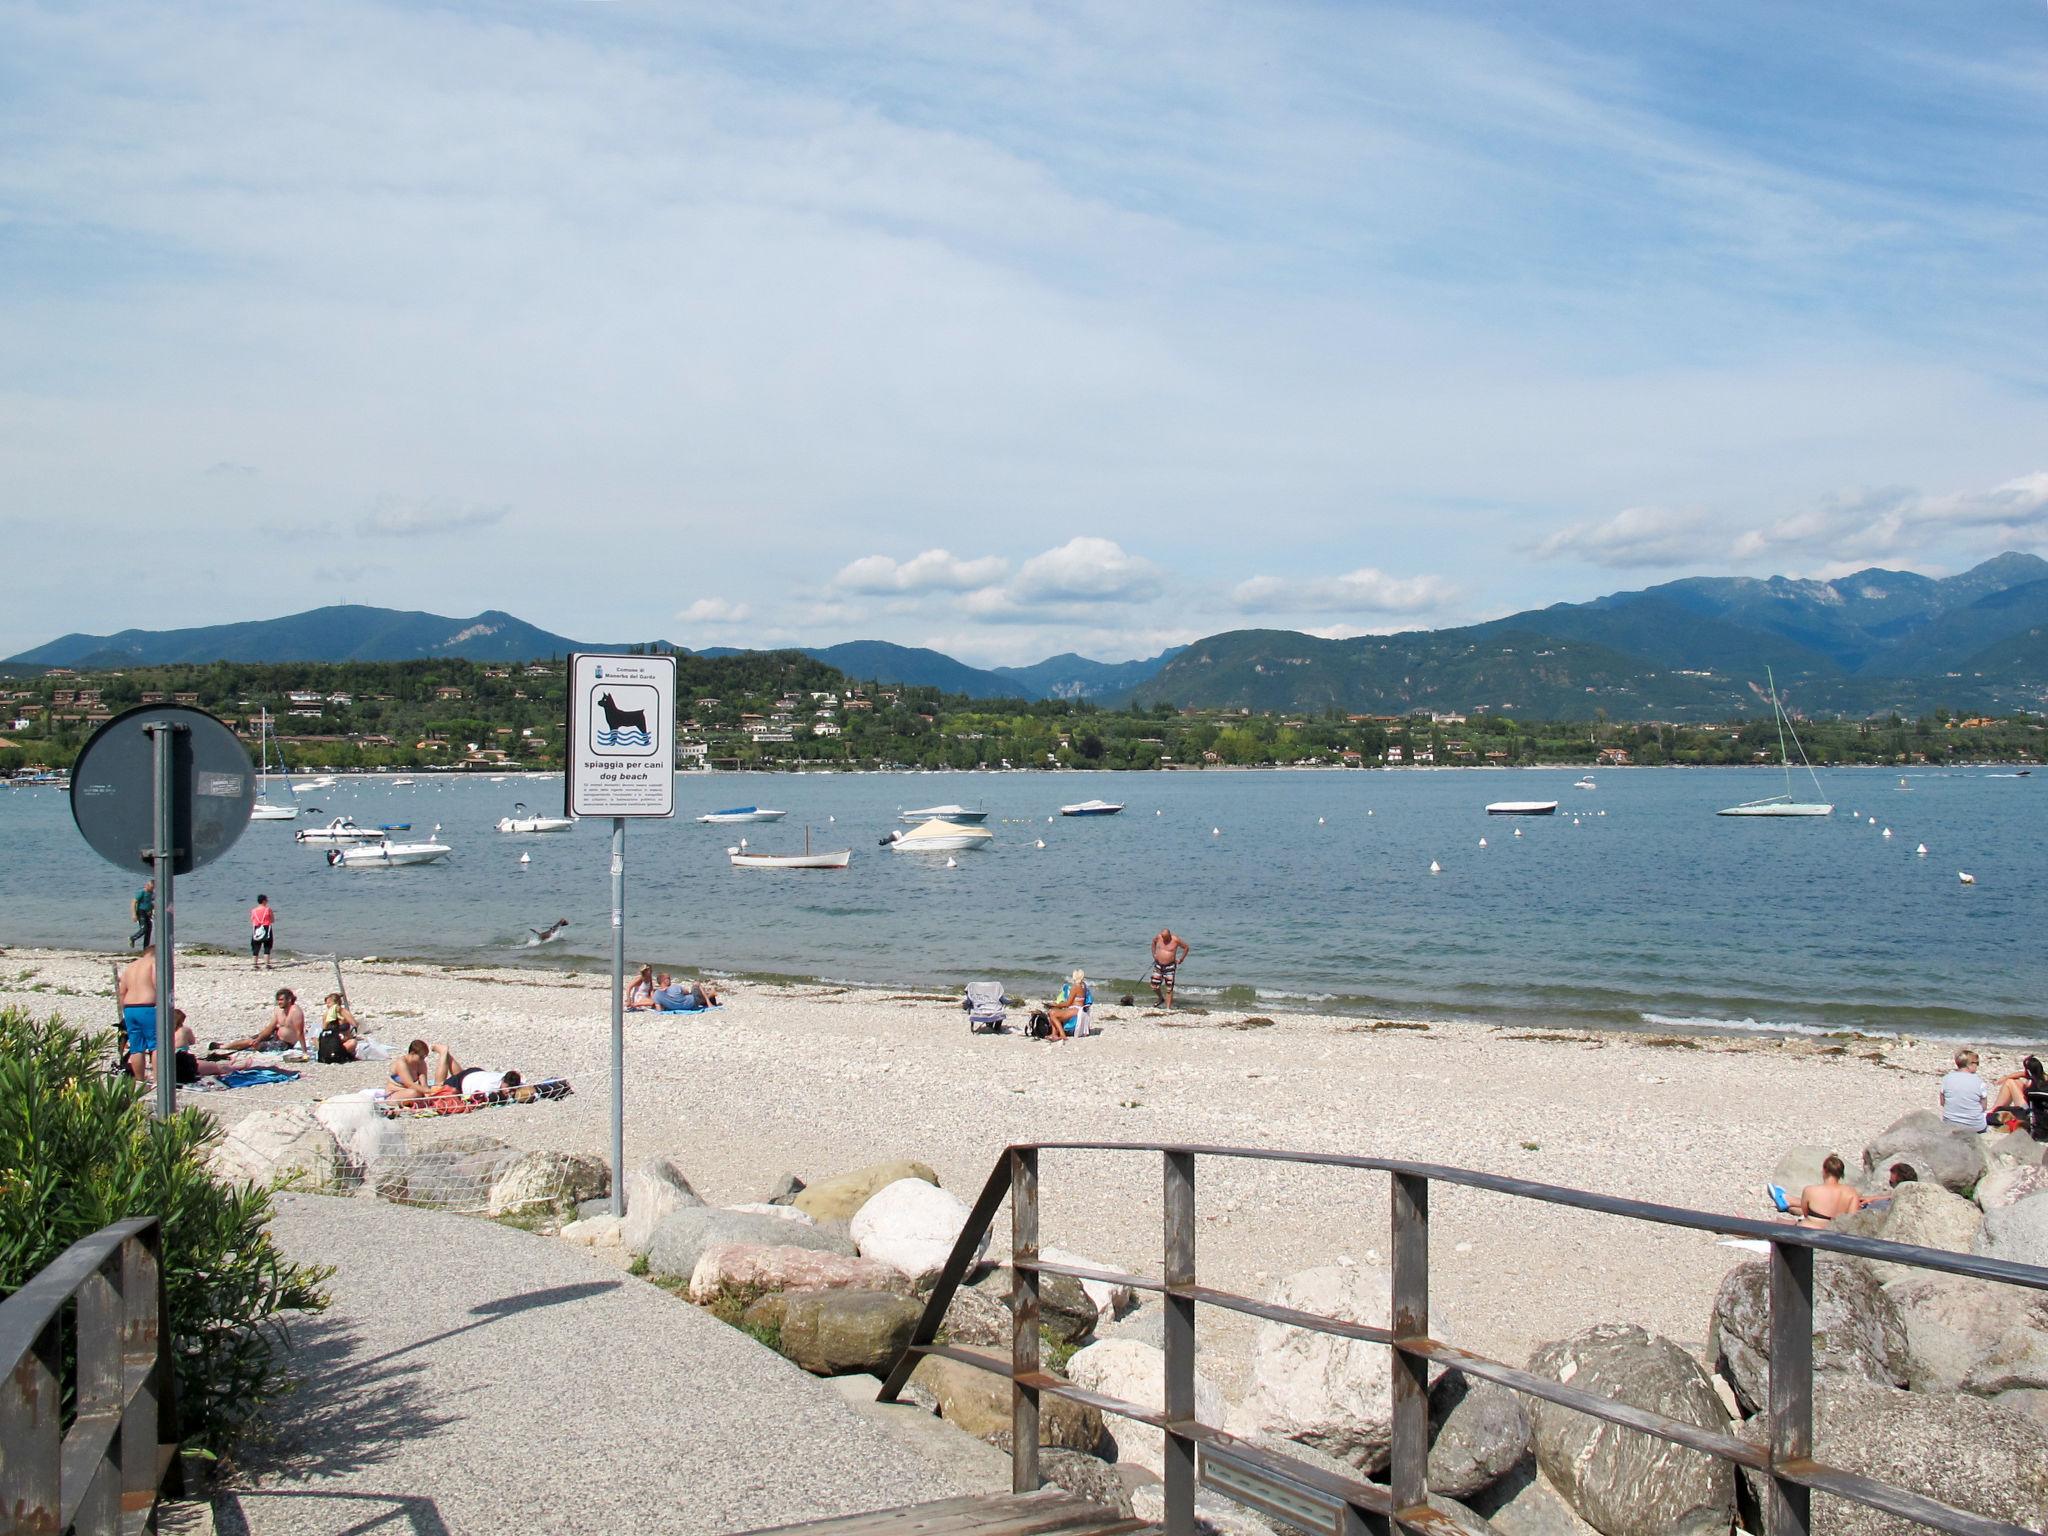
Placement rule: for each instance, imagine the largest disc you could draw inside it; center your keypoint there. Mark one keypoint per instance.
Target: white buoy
(1435, 868)
(1041, 842)
(1921, 850)
(1159, 813)
(1575, 821)
(831, 818)
(1048, 819)
(952, 864)
(1966, 879)
(1482, 842)
(1319, 821)
(526, 858)
(1368, 813)
(1518, 831)
(1887, 831)
(1215, 831)
(1873, 821)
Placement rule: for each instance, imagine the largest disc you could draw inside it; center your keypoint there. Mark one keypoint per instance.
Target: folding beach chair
(984, 1007)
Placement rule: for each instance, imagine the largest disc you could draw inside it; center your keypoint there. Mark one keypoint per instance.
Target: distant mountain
(1685, 650)
(344, 633)
(1069, 676)
(914, 666)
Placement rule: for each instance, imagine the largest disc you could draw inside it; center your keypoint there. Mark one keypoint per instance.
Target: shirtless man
(287, 1026)
(1168, 950)
(136, 993)
(421, 1070)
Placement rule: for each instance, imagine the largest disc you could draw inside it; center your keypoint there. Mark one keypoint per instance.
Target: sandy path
(815, 1080)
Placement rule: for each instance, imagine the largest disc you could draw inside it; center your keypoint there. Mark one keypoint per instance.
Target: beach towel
(450, 1103)
(256, 1077)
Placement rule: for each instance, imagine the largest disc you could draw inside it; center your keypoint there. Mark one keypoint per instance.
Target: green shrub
(79, 1149)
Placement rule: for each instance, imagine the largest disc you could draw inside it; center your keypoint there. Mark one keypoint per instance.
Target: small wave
(1748, 1026)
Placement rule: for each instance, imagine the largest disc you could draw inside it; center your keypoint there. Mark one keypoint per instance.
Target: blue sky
(1008, 330)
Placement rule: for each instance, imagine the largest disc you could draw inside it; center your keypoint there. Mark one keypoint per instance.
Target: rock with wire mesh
(280, 1146)
(482, 1176)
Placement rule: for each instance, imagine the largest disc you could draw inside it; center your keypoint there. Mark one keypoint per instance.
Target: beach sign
(621, 756)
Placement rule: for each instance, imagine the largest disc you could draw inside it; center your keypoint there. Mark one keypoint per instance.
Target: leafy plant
(79, 1150)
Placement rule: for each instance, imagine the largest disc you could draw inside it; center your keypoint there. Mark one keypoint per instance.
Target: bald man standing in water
(1168, 950)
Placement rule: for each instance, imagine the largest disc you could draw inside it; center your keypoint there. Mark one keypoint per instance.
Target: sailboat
(1785, 804)
(263, 809)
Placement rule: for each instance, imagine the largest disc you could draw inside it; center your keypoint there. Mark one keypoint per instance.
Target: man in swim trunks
(135, 991)
(1168, 950)
(262, 929)
(287, 1027)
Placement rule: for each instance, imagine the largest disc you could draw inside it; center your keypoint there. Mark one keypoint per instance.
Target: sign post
(620, 761)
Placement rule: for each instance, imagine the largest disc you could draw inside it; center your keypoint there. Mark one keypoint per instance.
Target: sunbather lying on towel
(421, 1070)
(676, 997)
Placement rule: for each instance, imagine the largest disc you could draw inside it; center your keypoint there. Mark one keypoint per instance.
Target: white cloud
(1364, 590)
(403, 517)
(1086, 570)
(715, 611)
(936, 570)
(1639, 536)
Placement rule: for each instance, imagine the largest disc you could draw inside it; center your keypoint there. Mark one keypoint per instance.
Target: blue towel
(258, 1077)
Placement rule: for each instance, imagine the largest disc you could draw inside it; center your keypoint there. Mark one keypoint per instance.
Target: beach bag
(1041, 1024)
(330, 1050)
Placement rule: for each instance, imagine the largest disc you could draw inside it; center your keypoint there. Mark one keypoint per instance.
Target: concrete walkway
(470, 1378)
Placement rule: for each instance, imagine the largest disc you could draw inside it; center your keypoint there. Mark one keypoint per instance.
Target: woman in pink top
(262, 928)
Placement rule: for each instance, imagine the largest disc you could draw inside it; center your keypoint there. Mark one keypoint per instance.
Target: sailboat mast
(1779, 710)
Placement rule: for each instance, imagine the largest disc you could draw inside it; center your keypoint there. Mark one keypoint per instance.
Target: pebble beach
(814, 1080)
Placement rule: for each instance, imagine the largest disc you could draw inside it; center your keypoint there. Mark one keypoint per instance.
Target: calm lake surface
(1634, 906)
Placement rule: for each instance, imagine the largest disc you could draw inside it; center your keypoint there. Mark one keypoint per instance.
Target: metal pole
(618, 1015)
(1408, 1478)
(1178, 1394)
(164, 861)
(1024, 1318)
(1788, 1505)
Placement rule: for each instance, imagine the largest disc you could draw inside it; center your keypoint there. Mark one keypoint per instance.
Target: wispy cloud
(936, 570)
(1364, 590)
(409, 517)
(715, 613)
(1640, 536)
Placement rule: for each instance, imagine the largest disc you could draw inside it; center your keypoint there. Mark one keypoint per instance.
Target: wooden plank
(1048, 1512)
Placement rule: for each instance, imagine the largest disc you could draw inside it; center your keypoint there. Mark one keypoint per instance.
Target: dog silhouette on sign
(616, 719)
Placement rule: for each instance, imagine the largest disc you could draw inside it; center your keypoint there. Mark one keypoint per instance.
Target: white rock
(364, 1136)
(2010, 1183)
(1112, 1301)
(911, 1226)
(275, 1144)
(782, 1212)
(655, 1191)
(595, 1232)
(1136, 1373)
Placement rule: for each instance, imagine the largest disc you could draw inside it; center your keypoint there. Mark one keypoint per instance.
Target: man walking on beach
(135, 991)
(262, 929)
(1168, 950)
(143, 909)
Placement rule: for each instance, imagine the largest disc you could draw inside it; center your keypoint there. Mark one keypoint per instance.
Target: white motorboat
(388, 855)
(938, 837)
(1586, 783)
(519, 821)
(741, 813)
(1522, 808)
(959, 815)
(343, 832)
(1785, 804)
(264, 810)
(403, 783)
(743, 858)
(1091, 808)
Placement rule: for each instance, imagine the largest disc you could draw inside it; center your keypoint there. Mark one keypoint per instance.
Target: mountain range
(1695, 649)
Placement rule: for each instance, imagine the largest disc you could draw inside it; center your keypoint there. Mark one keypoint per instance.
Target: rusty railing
(1316, 1499)
(87, 1435)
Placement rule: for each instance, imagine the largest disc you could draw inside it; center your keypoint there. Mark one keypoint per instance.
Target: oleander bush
(79, 1149)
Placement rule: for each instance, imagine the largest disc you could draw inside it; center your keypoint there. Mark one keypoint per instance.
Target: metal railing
(88, 1434)
(1316, 1499)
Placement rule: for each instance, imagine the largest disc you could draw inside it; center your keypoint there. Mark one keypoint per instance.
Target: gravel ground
(814, 1080)
(472, 1378)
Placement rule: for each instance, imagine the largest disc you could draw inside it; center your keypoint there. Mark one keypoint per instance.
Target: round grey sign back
(113, 788)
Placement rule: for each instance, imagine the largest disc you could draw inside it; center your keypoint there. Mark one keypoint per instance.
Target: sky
(1009, 330)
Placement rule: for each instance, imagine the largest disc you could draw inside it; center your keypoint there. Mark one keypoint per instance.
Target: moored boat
(744, 858)
(264, 810)
(741, 813)
(1785, 804)
(1092, 808)
(343, 832)
(1522, 808)
(959, 815)
(388, 855)
(938, 837)
(519, 821)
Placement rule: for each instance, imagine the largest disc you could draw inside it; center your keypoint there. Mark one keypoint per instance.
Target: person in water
(1168, 950)
(1819, 1204)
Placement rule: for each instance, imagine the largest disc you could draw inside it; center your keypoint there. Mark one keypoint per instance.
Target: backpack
(330, 1050)
(1041, 1024)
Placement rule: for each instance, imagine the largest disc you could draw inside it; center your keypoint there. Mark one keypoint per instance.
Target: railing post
(1023, 1319)
(102, 1371)
(31, 1424)
(1180, 1341)
(142, 1343)
(1791, 1384)
(1409, 1481)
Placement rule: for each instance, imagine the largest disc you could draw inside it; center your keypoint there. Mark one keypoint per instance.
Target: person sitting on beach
(1964, 1096)
(1168, 950)
(338, 1031)
(675, 997)
(1819, 1204)
(1069, 1009)
(421, 1070)
(287, 1028)
(1897, 1174)
(2011, 1090)
(640, 990)
(477, 1082)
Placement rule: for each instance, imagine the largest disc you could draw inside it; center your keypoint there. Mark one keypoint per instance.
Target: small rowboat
(1522, 808)
(743, 859)
(739, 813)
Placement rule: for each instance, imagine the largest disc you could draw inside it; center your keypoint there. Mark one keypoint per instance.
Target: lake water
(1634, 906)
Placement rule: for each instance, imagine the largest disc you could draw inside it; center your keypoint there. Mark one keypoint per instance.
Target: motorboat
(1586, 783)
(1091, 808)
(264, 810)
(403, 783)
(743, 858)
(388, 855)
(959, 815)
(307, 786)
(938, 837)
(740, 813)
(1522, 808)
(343, 832)
(1785, 804)
(519, 821)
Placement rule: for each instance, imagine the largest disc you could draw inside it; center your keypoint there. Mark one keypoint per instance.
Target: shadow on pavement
(388, 1514)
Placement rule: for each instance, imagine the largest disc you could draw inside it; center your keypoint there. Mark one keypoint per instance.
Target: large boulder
(1523, 1504)
(555, 1180)
(1799, 1167)
(1111, 1301)
(1924, 1215)
(452, 1173)
(757, 1267)
(275, 1146)
(1065, 1312)
(364, 1136)
(1953, 1323)
(1622, 1481)
(1855, 1328)
(1966, 1452)
(679, 1243)
(912, 1225)
(978, 1401)
(840, 1332)
(655, 1191)
(2017, 1233)
(1479, 1433)
(1137, 1373)
(1332, 1394)
(2032, 1402)
(1941, 1154)
(840, 1198)
(2009, 1184)
(1085, 1476)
